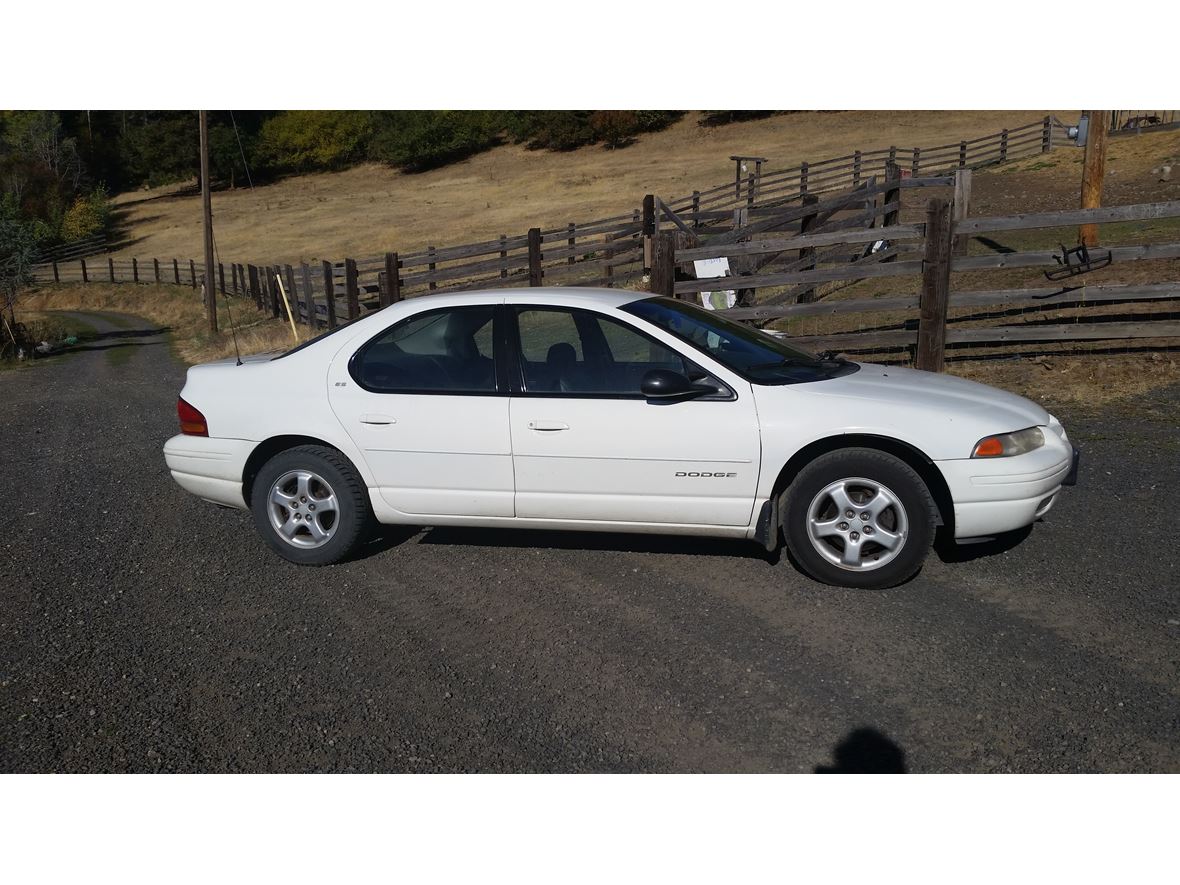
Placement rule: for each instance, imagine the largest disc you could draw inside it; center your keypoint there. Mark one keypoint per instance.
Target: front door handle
(377, 419)
(548, 425)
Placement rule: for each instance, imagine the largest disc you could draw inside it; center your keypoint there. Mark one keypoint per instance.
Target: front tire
(310, 505)
(858, 518)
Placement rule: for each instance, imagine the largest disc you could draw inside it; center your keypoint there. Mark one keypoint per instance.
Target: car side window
(440, 351)
(570, 351)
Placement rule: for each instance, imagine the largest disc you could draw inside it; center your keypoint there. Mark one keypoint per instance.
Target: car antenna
(232, 328)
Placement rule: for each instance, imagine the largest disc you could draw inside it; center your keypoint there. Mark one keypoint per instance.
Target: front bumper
(1003, 494)
(208, 467)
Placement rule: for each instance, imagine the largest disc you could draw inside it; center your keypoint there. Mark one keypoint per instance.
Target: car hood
(940, 414)
(945, 394)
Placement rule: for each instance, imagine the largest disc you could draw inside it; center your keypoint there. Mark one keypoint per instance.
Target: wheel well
(267, 449)
(915, 458)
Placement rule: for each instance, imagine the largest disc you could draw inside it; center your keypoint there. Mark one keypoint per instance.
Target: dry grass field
(370, 209)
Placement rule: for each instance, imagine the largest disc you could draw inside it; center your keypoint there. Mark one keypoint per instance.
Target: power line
(241, 150)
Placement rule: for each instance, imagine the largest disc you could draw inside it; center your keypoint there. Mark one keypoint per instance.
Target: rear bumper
(208, 467)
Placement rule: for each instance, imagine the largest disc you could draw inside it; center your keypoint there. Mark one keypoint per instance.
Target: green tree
(420, 140)
(308, 141)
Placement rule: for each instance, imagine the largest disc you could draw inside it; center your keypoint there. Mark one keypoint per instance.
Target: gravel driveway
(144, 630)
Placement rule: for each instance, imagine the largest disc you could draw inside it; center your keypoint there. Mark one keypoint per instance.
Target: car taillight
(192, 422)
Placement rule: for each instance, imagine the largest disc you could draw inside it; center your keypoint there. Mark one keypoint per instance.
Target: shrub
(567, 130)
(418, 140)
(721, 118)
(615, 129)
(308, 141)
(552, 130)
(19, 239)
(87, 216)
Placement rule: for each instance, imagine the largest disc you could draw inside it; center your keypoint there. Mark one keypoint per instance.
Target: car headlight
(1005, 445)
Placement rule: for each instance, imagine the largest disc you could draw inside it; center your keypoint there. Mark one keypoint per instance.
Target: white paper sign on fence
(709, 268)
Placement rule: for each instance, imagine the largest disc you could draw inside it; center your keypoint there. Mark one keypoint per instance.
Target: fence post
(892, 154)
(916, 163)
(962, 154)
(330, 293)
(192, 273)
(803, 178)
(503, 256)
(856, 169)
(233, 278)
(572, 241)
(936, 278)
(432, 266)
(176, 271)
(607, 253)
(663, 266)
(807, 256)
(892, 195)
(221, 276)
(111, 268)
(392, 279)
(535, 272)
(649, 229)
(1047, 135)
(308, 294)
(85, 278)
(253, 288)
(156, 269)
(134, 270)
(351, 290)
(751, 187)
(292, 292)
(1004, 146)
(696, 209)
(961, 207)
(56, 275)
(273, 275)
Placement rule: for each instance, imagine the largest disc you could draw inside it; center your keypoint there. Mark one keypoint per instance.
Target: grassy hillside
(370, 209)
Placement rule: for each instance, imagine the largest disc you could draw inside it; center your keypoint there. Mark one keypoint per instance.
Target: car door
(587, 445)
(424, 402)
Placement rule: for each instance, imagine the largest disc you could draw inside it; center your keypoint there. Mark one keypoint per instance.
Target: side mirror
(664, 385)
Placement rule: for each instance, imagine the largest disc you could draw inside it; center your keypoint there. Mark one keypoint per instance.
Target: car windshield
(753, 354)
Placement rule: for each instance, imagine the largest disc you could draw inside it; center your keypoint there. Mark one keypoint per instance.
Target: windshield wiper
(785, 361)
(830, 356)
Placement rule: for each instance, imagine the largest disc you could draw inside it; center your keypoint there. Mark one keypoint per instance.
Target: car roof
(568, 296)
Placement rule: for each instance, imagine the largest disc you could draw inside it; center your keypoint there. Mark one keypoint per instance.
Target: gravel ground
(144, 630)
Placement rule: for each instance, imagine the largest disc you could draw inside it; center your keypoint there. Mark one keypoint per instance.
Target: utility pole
(207, 205)
(1093, 171)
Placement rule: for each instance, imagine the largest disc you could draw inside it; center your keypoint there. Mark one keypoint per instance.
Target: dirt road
(143, 630)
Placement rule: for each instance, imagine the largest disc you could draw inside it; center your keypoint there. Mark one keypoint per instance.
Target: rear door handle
(377, 419)
(548, 425)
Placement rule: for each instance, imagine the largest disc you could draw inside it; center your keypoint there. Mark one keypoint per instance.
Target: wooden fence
(1124, 122)
(606, 251)
(792, 237)
(931, 253)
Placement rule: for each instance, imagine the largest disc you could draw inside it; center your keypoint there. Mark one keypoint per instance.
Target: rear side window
(440, 351)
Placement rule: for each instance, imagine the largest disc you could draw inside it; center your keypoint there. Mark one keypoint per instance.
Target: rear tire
(858, 518)
(310, 505)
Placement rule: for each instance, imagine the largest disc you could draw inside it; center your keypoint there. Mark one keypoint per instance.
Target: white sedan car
(603, 410)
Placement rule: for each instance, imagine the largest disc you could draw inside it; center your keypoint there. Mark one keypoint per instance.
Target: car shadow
(949, 550)
(619, 542)
(865, 751)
